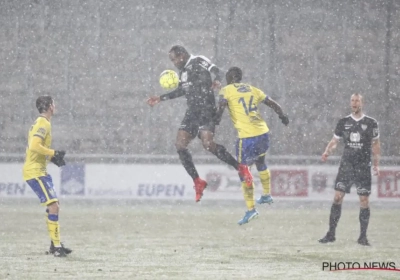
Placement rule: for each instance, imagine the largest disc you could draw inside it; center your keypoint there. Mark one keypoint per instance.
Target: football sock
(364, 220)
(265, 178)
(187, 162)
(221, 153)
(54, 229)
(248, 194)
(336, 211)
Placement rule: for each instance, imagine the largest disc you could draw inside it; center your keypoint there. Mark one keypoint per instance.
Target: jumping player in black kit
(200, 117)
(360, 134)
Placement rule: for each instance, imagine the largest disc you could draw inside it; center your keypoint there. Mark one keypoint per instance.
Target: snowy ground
(150, 240)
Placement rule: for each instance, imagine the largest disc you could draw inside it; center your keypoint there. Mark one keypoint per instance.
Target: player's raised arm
(154, 100)
(278, 109)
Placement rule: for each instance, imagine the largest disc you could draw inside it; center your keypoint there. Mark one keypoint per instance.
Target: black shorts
(194, 122)
(351, 174)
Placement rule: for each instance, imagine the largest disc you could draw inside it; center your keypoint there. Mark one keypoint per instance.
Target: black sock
(187, 162)
(336, 211)
(223, 155)
(364, 220)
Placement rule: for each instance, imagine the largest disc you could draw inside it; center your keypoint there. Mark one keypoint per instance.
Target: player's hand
(58, 158)
(152, 101)
(324, 157)
(216, 85)
(376, 170)
(284, 118)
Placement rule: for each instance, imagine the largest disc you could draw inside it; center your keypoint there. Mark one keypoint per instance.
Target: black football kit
(355, 164)
(195, 83)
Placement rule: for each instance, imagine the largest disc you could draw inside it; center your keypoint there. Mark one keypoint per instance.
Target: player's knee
(364, 201)
(260, 164)
(179, 146)
(209, 146)
(338, 198)
(53, 208)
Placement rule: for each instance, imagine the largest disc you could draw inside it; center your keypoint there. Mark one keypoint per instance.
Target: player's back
(35, 163)
(243, 101)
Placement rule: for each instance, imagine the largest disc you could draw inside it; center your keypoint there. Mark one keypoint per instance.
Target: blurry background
(100, 60)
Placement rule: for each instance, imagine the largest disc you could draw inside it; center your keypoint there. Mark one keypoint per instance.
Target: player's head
(356, 103)
(179, 56)
(234, 75)
(45, 104)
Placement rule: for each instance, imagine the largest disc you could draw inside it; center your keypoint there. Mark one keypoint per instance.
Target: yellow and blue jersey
(35, 162)
(243, 100)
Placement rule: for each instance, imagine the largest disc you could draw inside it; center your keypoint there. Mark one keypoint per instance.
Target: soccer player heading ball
(197, 86)
(360, 135)
(38, 153)
(253, 138)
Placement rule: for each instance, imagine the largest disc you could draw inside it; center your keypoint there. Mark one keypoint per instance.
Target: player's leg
(251, 213)
(53, 248)
(183, 138)
(342, 186)
(186, 133)
(206, 135)
(207, 140)
(258, 151)
(243, 148)
(248, 195)
(265, 178)
(53, 225)
(336, 212)
(364, 220)
(43, 187)
(364, 190)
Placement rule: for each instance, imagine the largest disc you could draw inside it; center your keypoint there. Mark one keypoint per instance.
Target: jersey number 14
(248, 107)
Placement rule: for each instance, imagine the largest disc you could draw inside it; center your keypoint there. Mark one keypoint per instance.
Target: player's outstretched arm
(330, 148)
(376, 155)
(154, 100)
(278, 109)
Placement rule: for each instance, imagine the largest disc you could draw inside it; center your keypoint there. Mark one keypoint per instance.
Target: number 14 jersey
(243, 101)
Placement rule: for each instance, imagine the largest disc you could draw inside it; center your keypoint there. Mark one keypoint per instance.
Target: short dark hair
(43, 103)
(359, 95)
(236, 74)
(178, 50)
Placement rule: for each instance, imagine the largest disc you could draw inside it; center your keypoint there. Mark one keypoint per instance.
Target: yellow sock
(248, 194)
(265, 177)
(53, 228)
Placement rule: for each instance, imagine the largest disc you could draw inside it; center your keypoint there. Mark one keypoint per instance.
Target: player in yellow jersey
(38, 154)
(242, 101)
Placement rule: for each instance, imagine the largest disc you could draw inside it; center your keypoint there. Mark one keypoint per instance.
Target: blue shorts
(44, 189)
(250, 149)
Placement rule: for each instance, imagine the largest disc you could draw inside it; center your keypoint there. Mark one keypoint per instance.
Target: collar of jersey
(359, 119)
(190, 58)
